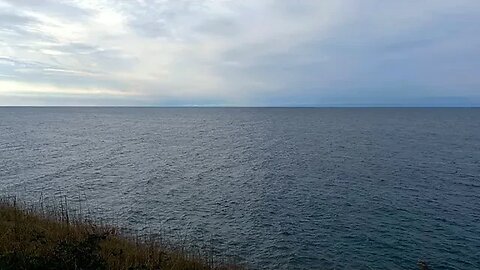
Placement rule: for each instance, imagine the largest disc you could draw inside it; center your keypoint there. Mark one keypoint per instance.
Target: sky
(240, 53)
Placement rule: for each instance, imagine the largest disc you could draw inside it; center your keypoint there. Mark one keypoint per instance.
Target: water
(280, 188)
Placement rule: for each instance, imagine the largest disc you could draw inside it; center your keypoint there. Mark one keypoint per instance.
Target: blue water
(279, 188)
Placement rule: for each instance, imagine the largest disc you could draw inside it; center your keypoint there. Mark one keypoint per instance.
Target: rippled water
(281, 188)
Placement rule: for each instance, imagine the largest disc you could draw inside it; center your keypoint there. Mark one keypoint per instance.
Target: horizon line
(231, 106)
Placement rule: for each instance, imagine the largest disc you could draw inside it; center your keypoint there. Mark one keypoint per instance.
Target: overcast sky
(240, 53)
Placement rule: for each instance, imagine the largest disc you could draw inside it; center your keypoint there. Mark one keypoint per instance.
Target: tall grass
(39, 236)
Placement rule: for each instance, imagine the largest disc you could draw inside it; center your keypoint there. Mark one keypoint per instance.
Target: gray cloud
(52, 8)
(244, 52)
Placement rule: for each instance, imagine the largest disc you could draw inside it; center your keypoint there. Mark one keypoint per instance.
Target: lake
(280, 188)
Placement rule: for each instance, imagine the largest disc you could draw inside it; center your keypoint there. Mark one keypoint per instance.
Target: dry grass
(40, 239)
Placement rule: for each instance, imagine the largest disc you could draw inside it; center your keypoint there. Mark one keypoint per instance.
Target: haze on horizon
(240, 53)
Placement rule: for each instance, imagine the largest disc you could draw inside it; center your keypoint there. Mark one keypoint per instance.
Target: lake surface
(280, 188)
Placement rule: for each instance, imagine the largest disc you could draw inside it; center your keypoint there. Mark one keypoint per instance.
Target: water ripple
(280, 188)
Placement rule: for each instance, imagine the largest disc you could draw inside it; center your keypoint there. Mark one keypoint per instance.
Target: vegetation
(37, 238)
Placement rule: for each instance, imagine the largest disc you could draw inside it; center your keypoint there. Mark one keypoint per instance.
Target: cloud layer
(241, 53)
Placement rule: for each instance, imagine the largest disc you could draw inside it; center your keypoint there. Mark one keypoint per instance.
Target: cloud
(240, 52)
(55, 8)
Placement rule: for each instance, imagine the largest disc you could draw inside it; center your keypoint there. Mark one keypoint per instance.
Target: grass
(39, 237)
(48, 238)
